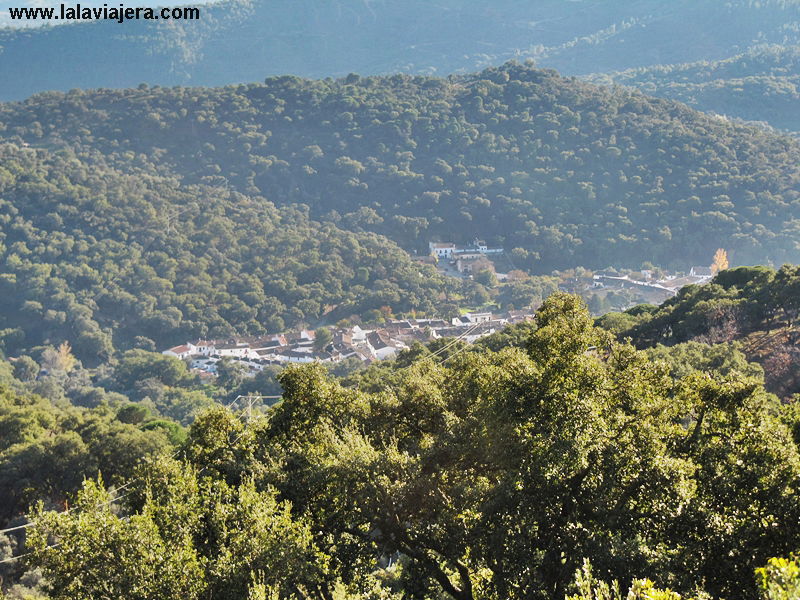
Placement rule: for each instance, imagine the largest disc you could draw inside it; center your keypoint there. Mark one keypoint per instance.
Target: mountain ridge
(516, 154)
(241, 41)
(760, 85)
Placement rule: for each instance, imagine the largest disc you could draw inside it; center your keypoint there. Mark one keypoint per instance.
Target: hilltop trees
(559, 172)
(323, 39)
(757, 85)
(757, 306)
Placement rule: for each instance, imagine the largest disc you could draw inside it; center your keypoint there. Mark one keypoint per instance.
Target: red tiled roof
(180, 349)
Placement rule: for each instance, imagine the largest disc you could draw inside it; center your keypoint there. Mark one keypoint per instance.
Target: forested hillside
(154, 214)
(105, 258)
(481, 473)
(756, 309)
(363, 228)
(762, 84)
(241, 41)
(559, 172)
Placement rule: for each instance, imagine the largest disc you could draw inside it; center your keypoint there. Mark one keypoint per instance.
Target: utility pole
(249, 401)
(249, 413)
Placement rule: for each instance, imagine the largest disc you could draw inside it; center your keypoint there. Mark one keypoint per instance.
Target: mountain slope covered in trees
(246, 41)
(148, 215)
(762, 84)
(108, 259)
(755, 309)
(559, 172)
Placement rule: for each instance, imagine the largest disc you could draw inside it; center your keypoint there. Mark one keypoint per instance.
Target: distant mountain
(247, 41)
(762, 84)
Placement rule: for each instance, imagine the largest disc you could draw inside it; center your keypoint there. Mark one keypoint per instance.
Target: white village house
(183, 351)
(450, 251)
(233, 349)
(442, 249)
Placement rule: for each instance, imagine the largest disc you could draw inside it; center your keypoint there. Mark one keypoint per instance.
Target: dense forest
(136, 217)
(61, 422)
(568, 173)
(758, 85)
(550, 460)
(247, 40)
(108, 259)
(646, 454)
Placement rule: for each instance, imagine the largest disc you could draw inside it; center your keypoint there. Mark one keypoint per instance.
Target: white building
(208, 365)
(479, 317)
(233, 350)
(448, 250)
(442, 249)
(358, 335)
(204, 347)
(465, 263)
(480, 246)
(181, 352)
(382, 346)
(701, 272)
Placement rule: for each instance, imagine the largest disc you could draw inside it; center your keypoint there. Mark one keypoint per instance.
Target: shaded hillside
(109, 259)
(246, 41)
(757, 307)
(762, 84)
(559, 172)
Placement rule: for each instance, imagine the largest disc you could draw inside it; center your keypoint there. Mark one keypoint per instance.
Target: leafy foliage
(780, 579)
(558, 172)
(756, 306)
(591, 589)
(493, 475)
(100, 257)
(47, 451)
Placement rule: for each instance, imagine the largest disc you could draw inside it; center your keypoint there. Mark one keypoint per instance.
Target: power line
(96, 506)
(251, 399)
(13, 558)
(69, 510)
(455, 340)
(456, 353)
(50, 547)
(248, 412)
